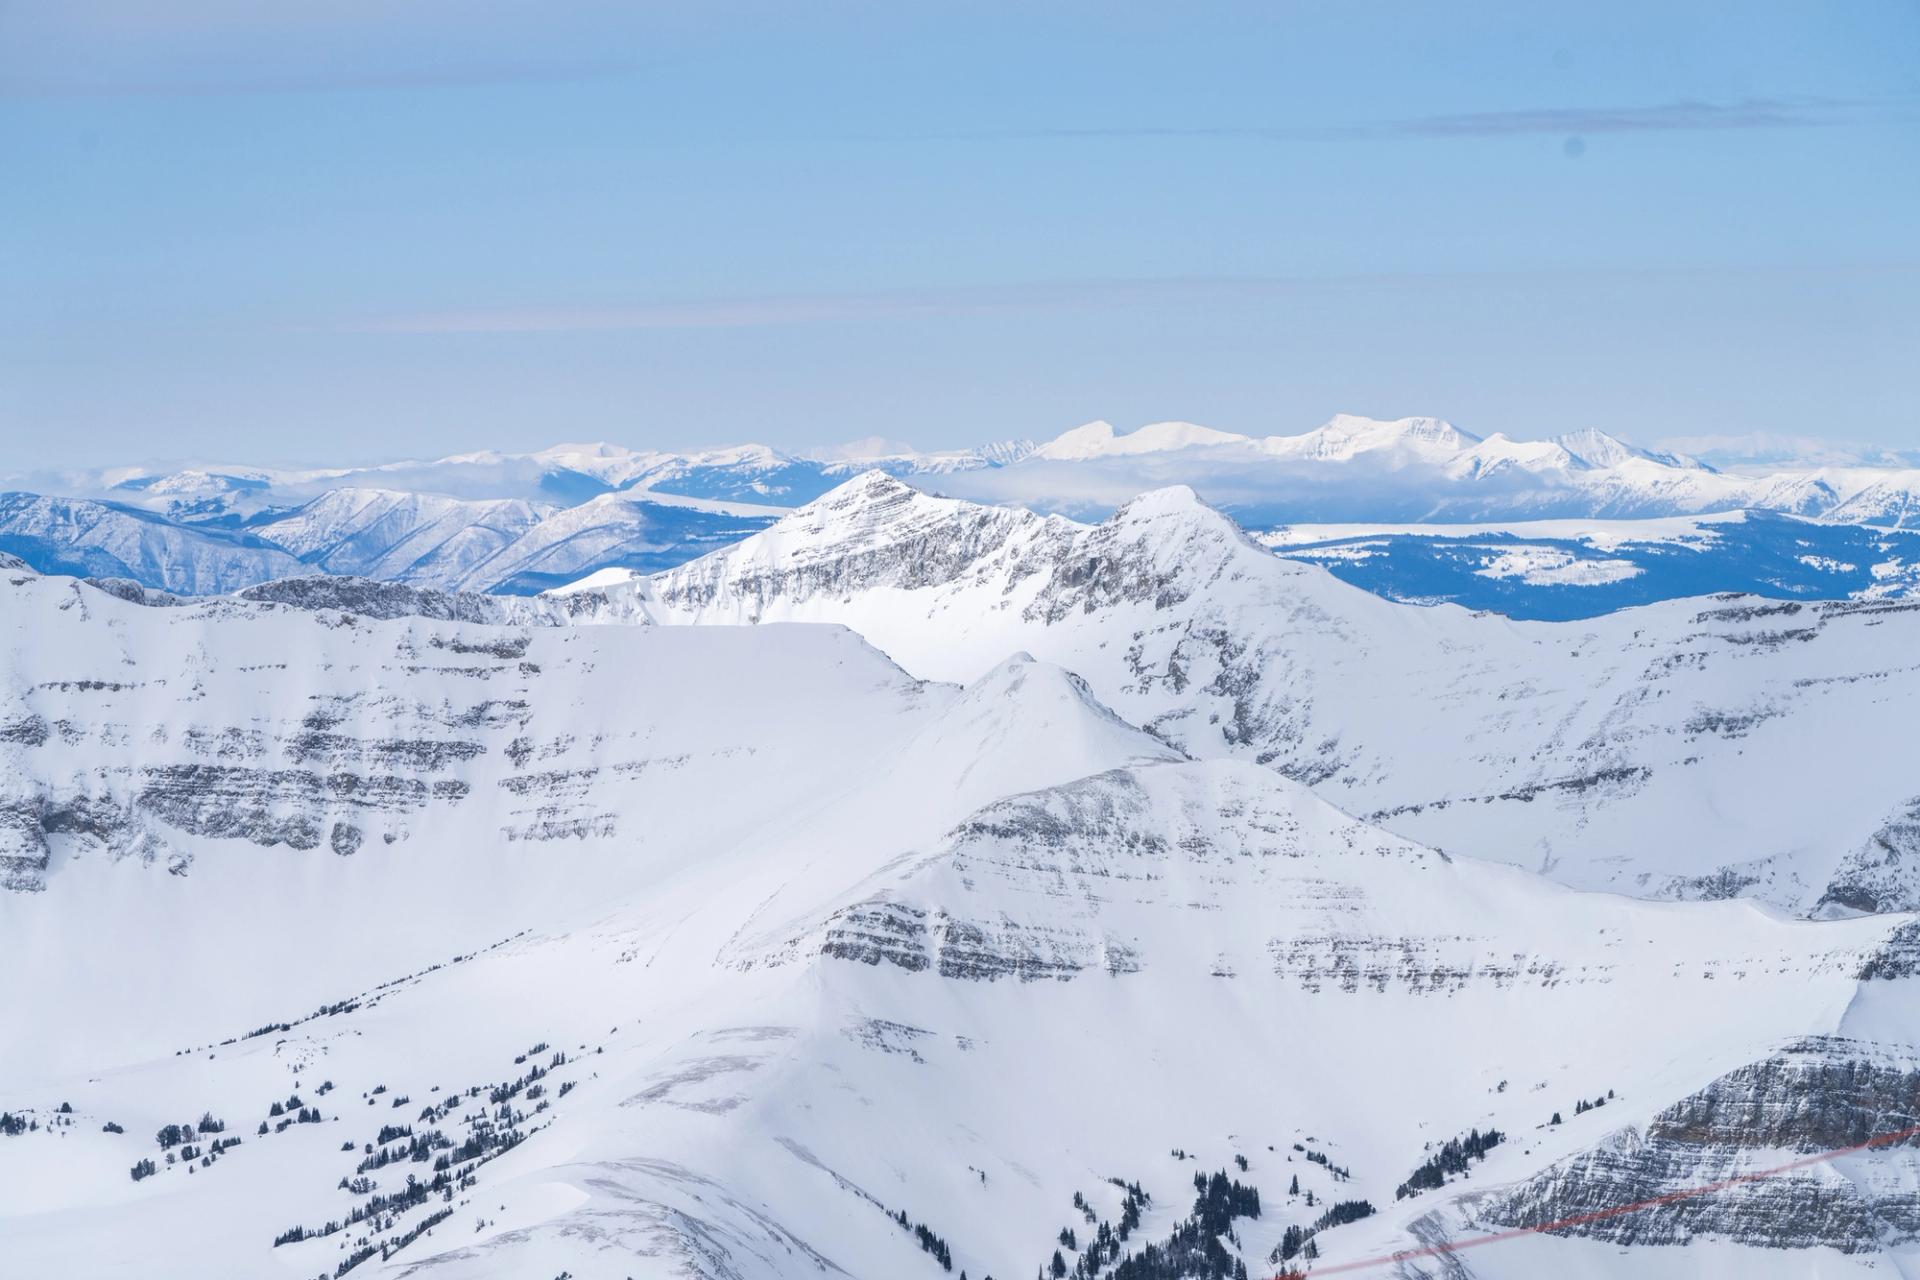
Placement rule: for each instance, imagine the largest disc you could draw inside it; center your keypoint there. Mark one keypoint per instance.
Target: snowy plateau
(601, 865)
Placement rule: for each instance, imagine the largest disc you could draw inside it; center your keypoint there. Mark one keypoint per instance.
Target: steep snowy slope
(1664, 751)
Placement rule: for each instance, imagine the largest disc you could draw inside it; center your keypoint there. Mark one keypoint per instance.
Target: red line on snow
(1600, 1215)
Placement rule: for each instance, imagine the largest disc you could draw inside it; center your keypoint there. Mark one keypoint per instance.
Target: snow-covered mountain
(403, 537)
(520, 522)
(1661, 751)
(1355, 469)
(97, 539)
(740, 953)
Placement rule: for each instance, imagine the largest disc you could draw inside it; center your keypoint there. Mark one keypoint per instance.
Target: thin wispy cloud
(1687, 116)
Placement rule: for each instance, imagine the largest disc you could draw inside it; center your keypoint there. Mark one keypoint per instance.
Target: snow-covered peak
(1174, 500)
(1598, 449)
(1499, 453)
(1346, 436)
(598, 580)
(1175, 525)
(1099, 440)
(873, 490)
(1027, 723)
(1089, 440)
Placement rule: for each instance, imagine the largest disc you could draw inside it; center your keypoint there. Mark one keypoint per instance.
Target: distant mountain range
(519, 523)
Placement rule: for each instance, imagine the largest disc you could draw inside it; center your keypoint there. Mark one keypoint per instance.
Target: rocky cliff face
(1883, 874)
(1816, 1096)
(369, 598)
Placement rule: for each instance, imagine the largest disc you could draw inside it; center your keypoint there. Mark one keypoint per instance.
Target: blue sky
(302, 232)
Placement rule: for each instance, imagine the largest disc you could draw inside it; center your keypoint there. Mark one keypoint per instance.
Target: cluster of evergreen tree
(420, 1146)
(1339, 1172)
(1221, 1200)
(1581, 1106)
(1134, 1199)
(376, 1207)
(418, 1229)
(483, 1143)
(143, 1169)
(513, 1088)
(1297, 1241)
(1343, 1212)
(929, 1242)
(1193, 1251)
(1452, 1159)
(1103, 1245)
(353, 1260)
(12, 1126)
(1188, 1254)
